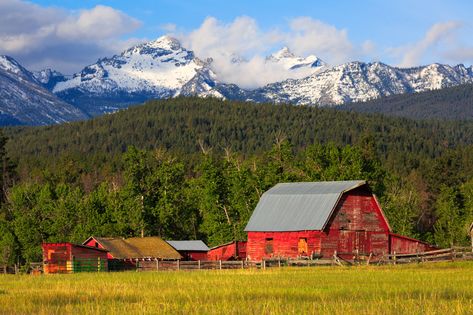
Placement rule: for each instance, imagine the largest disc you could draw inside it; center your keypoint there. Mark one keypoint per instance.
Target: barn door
(344, 242)
(361, 242)
(302, 248)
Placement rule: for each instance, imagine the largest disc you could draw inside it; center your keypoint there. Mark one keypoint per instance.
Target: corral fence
(448, 254)
(96, 265)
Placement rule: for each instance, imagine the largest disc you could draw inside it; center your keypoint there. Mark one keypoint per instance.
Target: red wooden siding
(406, 245)
(357, 225)
(193, 255)
(230, 251)
(93, 243)
(284, 244)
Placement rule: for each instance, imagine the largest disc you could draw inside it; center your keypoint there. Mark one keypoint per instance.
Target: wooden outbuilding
(320, 219)
(191, 249)
(235, 250)
(125, 253)
(72, 258)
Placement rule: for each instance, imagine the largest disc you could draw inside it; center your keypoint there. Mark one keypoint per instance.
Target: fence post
(453, 254)
(198, 264)
(279, 262)
(178, 265)
(264, 264)
(220, 264)
(157, 264)
(242, 265)
(394, 257)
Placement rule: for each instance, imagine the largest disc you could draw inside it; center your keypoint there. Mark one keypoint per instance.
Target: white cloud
(313, 36)
(98, 23)
(244, 38)
(50, 37)
(437, 34)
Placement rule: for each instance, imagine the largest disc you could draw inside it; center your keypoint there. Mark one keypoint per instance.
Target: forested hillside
(453, 103)
(182, 125)
(195, 168)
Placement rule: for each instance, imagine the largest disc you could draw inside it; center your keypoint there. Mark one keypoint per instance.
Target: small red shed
(235, 250)
(191, 249)
(318, 219)
(400, 244)
(71, 258)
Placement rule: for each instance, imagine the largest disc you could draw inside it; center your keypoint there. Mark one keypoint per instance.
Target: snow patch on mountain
(290, 61)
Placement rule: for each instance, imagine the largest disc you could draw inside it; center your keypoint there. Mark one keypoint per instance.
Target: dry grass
(442, 288)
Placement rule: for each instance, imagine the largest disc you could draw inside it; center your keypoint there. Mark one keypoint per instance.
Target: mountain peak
(165, 42)
(284, 52)
(290, 61)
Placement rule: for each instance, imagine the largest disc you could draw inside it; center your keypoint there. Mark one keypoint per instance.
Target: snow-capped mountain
(24, 101)
(157, 69)
(163, 69)
(358, 81)
(49, 78)
(290, 61)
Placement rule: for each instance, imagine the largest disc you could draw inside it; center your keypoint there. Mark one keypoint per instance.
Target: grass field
(441, 288)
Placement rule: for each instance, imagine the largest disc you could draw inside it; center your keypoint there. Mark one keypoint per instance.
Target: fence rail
(163, 265)
(94, 265)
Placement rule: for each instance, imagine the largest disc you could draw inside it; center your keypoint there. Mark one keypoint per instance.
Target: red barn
(235, 250)
(191, 250)
(70, 258)
(318, 219)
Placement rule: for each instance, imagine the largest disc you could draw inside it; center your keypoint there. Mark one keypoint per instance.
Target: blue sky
(403, 33)
(386, 22)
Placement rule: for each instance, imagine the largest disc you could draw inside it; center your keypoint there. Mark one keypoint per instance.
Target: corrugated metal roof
(298, 206)
(191, 245)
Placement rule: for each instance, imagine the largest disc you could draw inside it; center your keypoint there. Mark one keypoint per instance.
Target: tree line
(194, 169)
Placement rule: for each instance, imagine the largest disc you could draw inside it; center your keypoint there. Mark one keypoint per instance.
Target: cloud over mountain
(36, 35)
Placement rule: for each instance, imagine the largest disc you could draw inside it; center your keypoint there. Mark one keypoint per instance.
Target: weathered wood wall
(229, 251)
(405, 245)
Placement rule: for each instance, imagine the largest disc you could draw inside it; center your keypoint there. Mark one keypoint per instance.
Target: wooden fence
(449, 254)
(163, 265)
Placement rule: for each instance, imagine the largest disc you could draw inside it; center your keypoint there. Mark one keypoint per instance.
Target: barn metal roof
(298, 206)
(189, 245)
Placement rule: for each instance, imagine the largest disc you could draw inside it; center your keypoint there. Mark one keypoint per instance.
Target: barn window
(96, 244)
(268, 248)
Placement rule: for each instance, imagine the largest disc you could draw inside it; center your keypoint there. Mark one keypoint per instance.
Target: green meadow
(436, 288)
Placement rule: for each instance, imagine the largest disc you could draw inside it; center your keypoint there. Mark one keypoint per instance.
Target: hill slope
(454, 103)
(180, 124)
(23, 100)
